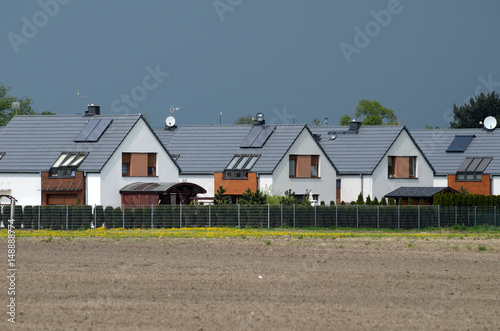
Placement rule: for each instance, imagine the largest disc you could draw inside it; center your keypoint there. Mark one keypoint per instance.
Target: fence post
(439, 217)
(336, 217)
(475, 215)
(456, 219)
(399, 216)
(419, 216)
(152, 215)
(293, 215)
(67, 216)
(95, 216)
(378, 217)
(39, 217)
(495, 215)
(123, 216)
(268, 216)
(281, 215)
(357, 216)
(315, 218)
(180, 216)
(209, 215)
(239, 220)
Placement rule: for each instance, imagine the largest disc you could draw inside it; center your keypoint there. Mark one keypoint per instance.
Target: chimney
(93, 110)
(354, 126)
(259, 119)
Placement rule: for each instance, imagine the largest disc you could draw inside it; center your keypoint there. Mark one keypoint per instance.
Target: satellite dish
(490, 123)
(170, 121)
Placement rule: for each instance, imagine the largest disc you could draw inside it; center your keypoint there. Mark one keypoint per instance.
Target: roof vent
(354, 126)
(93, 110)
(259, 119)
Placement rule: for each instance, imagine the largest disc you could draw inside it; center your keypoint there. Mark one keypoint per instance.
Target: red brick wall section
(482, 187)
(70, 186)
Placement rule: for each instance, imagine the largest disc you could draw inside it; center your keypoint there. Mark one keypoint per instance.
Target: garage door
(61, 199)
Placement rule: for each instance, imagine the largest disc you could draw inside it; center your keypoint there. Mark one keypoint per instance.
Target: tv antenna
(79, 97)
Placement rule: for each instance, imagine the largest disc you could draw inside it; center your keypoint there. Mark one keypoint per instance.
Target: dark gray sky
(302, 59)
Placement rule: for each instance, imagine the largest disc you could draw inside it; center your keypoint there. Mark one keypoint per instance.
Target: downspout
(362, 193)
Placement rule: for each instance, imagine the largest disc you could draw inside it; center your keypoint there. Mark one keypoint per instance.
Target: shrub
(383, 202)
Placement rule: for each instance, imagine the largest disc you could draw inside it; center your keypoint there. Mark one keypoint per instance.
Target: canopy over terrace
(158, 193)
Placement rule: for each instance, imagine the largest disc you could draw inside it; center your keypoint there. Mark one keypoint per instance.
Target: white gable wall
(25, 187)
(139, 140)
(402, 146)
(324, 185)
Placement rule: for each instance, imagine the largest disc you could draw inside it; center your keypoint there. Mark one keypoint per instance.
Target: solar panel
(263, 135)
(98, 130)
(459, 144)
(89, 127)
(250, 138)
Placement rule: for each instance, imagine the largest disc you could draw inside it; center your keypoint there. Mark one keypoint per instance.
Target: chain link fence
(251, 216)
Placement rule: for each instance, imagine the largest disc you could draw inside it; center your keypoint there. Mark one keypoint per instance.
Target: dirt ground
(255, 284)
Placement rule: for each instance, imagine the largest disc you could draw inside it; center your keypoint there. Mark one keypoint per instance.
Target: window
(402, 166)
(66, 164)
(139, 164)
(472, 168)
(303, 166)
(239, 166)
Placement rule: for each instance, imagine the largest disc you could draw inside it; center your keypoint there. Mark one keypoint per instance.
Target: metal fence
(253, 216)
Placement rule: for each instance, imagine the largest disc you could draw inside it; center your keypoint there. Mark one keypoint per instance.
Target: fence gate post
(293, 215)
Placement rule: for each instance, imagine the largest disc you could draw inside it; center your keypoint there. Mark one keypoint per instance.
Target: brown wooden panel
(235, 186)
(303, 165)
(402, 166)
(138, 164)
(61, 199)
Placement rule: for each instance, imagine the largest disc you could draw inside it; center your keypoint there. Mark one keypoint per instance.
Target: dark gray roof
(434, 144)
(417, 192)
(209, 148)
(33, 143)
(357, 153)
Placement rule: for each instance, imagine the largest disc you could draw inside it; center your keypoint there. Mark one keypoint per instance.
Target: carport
(159, 193)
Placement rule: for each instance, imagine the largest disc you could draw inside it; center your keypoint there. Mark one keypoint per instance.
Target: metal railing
(253, 216)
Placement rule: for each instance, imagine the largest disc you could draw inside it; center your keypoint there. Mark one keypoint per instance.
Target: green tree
(345, 120)
(373, 113)
(316, 122)
(220, 198)
(253, 198)
(361, 200)
(470, 114)
(244, 120)
(7, 111)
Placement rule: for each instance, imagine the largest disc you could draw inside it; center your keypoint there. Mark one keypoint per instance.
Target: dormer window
(66, 164)
(239, 166)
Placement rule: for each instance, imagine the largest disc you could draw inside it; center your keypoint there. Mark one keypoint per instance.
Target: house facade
(80, 159)
(464, 159)
(374, 160)
(239, 157)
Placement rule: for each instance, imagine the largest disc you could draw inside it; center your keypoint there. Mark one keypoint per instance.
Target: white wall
(93, 189)
(403, 146)
(139, 140)
(25, 187)
(324, 185)
(266, 182)
(440, 181)
(495, 185)
(351, 187)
